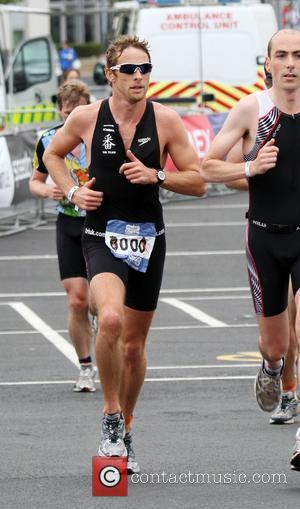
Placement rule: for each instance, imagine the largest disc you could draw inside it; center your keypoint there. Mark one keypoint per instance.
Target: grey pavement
(197, 413)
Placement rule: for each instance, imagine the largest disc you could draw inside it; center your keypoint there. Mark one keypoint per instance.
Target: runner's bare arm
(215, 168)
(236, 156)
(173, 140)
(188, 179)
(42, 189)
(64, 141)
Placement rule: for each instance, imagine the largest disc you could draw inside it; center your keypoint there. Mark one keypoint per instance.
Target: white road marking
(154, 328)
(194, 312)
(205, 366)
(163, 290)
(206, 253)
(218, 297)
(205, 223)
(201, 205)
(11, 258)
(187, 224)
(31, 294)
(171, 379)
(37, 323)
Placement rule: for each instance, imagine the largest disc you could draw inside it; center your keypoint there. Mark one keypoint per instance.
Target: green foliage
(88, 49)
(8, 1)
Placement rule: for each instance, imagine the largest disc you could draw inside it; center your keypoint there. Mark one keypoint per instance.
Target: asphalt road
(200, 438)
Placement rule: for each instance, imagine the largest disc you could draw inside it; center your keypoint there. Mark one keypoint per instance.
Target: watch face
(161, 175)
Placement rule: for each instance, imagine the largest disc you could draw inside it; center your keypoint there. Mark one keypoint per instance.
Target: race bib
(132, 242)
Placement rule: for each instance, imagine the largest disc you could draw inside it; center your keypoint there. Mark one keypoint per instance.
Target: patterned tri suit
(125, 235)
(70, 221)
(273, 236)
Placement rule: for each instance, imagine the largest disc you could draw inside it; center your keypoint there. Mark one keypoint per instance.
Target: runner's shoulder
(165, 115)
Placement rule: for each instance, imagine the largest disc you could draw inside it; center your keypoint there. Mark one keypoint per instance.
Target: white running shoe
(86, 380)
(295, 460)
(112, 436)
(287, 409)
(132, 464)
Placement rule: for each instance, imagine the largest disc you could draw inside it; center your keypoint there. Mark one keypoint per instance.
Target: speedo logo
(142, 141)
(276, 130)
(258, 223)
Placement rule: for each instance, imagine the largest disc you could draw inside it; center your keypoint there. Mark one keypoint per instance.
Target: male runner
(68, 232)
(289, 405)
(127, 140)
(268, 122)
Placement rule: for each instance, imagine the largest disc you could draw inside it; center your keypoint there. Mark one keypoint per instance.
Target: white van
(202, 51)
(28, 75)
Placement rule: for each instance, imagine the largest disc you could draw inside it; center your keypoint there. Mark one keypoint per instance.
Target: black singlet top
(274, 197)
(122, 199)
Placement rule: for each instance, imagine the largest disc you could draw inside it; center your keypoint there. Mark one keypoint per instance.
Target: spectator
(68, 57)
(71, 74)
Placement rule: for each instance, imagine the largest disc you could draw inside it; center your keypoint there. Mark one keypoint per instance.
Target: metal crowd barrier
(18, 210)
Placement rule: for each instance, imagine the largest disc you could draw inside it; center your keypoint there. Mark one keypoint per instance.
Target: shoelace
(284, 402)
(269, 381)
(111, 429)
(85, 373)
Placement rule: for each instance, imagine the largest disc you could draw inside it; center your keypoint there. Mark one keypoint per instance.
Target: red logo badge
(110, 477)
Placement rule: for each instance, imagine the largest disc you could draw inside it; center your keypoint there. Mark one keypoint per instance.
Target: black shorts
(69, 247)
(142, 289)
(272, 258)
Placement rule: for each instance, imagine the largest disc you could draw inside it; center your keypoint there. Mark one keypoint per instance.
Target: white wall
(37, 25)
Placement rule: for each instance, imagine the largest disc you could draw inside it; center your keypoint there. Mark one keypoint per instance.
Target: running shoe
(86, 380)
(132, 465)
(112, 436)
(267, 390)
(287, 409)
(295, 460)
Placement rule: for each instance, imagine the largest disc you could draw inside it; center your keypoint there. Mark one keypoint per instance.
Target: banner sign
(16, 151)
(201, 134)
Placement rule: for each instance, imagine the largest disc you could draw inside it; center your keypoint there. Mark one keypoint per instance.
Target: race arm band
(71, 192)
(248, 169)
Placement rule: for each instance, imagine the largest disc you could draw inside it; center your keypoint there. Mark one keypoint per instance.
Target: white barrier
(18, 209)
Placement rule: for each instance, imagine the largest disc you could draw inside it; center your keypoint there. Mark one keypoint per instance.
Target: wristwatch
(160, 174)
(71, 192)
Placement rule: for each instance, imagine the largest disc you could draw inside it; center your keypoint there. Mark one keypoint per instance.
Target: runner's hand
(54, 192)
(87, 199)
(266, 158)
(136, 172)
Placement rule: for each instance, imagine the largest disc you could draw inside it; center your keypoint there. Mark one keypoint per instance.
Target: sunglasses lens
(145, 68)
(128, 68)
(131, 68)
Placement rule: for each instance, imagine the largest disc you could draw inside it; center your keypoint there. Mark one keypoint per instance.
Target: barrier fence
(19, 211)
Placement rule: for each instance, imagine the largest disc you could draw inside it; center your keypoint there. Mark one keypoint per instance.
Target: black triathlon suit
(69, 222)
(273, 233)
(124, 201)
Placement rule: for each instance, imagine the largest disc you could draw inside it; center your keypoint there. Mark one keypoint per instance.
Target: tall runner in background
(268, 123)
(289, 405)
(69, 226)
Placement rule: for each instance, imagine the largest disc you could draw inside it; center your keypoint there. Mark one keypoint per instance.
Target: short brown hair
(283, 30)
(72, 91)
(117, 46)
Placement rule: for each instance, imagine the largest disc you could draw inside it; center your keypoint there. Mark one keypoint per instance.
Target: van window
(32, 64)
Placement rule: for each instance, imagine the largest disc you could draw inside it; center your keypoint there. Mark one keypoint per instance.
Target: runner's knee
(133, 352)
(111, 323)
